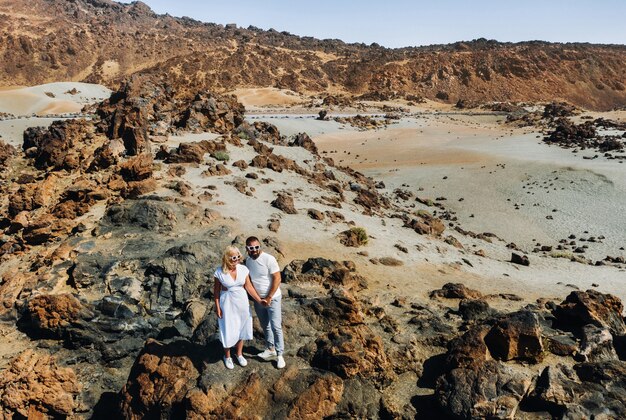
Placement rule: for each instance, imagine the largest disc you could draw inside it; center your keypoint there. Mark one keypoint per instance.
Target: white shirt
(261, 271)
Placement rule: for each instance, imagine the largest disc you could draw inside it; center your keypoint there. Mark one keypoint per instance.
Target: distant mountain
(103, 41)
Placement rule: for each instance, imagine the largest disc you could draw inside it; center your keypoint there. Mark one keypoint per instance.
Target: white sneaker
(242, 361)
(280, 362)
(267, 354)
(228, 362)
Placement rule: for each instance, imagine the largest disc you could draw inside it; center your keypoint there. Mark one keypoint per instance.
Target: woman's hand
(219, 311)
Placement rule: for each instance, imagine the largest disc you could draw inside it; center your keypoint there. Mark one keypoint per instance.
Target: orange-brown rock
(44, 229)
(212, 112)
(51, 314)
(27, 198)
(137, 168)
(455, 291)
(193, 152)
(351, 351)
(10, 288)
(160, 378)
(285, 203)
(6, 152)
(277, 163)
(33, 386)
(61, 146)
(78, 199)
(319, 400)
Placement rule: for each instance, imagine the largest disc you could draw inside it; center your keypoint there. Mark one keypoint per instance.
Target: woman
(232, 280)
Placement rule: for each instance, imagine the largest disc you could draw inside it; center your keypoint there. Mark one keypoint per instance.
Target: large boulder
(489, 390)
(591, 307)
(211, 112)
(516, 336)
(589, 390)
(352, 351)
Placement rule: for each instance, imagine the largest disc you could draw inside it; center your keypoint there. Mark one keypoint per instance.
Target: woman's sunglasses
(253, 248)
(235, 257)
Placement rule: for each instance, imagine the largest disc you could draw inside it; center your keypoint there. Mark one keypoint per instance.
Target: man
(265, 276)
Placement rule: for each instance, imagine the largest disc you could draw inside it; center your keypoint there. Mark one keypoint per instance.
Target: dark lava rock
(591, 307)
(325, 272)
(455, 291)
(519, 259)
(304, 141)
(516, 336)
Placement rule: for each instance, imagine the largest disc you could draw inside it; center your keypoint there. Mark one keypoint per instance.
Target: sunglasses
(253, 248)
(235, 257)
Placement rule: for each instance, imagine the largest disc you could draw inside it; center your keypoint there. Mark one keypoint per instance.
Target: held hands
(266, 301)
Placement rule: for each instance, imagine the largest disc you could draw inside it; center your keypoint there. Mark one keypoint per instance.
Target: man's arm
(276, 279)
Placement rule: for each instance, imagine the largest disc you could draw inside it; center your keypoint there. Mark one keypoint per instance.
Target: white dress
(236, 321)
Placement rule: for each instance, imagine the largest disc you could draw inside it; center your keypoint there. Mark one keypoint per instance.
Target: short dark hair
(252, 239)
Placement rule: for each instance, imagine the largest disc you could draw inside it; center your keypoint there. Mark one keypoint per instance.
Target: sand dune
(259, 97)
(51, 98)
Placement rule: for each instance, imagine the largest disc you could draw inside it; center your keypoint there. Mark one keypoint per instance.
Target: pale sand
(34, 101)
(468, 150)
(262, 97)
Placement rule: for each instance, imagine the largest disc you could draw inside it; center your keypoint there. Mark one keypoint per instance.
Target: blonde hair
(226, 257)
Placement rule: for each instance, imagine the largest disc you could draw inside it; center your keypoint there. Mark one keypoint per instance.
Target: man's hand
(219, 311)
(266, 301)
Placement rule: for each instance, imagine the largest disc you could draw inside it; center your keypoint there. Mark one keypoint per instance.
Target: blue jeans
(270, 318)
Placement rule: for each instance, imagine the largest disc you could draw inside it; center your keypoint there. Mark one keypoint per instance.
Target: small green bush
(569, 256)
(221, 156)
(361, 235)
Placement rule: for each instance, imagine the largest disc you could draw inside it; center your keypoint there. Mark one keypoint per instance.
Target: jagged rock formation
(104, 41)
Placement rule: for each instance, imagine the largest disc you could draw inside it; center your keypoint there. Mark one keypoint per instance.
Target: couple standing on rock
(260, 278)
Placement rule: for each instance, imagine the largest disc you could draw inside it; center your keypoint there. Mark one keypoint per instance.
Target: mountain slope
(103, 41)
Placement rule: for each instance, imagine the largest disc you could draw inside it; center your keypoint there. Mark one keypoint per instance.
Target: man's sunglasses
(253, 248)
(235, 257)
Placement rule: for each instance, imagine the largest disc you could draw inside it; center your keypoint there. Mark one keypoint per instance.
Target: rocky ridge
(105, 41)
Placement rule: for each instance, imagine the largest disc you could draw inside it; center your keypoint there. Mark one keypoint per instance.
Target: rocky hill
(104, 41)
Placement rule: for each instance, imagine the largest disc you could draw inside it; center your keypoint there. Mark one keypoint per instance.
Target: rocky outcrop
(304, 141)
(211, 112)
(61, 146)
(34, 386)
(591, 307)
(325, 272)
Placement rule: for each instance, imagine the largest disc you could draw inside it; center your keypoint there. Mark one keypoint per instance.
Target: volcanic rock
(516, 336)
(6, 152)
(591, 307)
(285, 203)
(455, 291)
(490, 390)
(33, 386)
(325, 272)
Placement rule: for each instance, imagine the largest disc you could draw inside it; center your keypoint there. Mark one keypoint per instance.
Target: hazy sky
(398, 23)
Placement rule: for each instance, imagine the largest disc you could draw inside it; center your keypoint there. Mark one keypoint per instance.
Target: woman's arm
(251, 290)
(217, 288)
